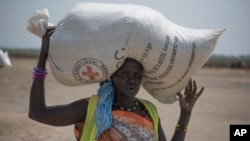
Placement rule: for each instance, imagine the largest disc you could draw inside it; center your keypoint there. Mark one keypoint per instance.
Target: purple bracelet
(39, 73)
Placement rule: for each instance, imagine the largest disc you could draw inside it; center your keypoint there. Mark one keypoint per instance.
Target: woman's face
(127, 79)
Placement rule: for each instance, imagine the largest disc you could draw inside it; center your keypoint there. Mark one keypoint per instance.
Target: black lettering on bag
(161, 58)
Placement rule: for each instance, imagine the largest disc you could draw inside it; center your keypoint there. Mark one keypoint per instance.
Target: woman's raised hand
(188, 99)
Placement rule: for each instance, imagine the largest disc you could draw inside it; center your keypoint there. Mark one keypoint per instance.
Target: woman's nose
(132, 79)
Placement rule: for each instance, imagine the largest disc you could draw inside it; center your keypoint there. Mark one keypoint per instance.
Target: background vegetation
(222, 61)
(215, 61)
(13, 52)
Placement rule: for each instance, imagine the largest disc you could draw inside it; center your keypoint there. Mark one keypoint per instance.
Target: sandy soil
(224, 102)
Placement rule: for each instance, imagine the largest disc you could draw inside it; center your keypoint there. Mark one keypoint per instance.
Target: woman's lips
(131, 89)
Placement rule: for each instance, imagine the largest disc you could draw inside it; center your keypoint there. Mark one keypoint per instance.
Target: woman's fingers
(196, 96)
(200, 92)
(194, 87)
(190, 85)
(179, 95)
(49, 31)
(190, 96)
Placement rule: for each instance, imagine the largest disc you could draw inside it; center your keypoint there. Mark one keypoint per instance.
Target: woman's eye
(124, 74)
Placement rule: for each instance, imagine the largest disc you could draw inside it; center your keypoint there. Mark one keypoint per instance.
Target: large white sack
(93, 39)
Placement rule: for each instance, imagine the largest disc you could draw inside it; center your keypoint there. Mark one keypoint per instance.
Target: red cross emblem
(90, 73)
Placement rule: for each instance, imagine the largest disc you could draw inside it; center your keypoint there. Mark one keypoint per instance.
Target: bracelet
(39, 73)
(181, 127)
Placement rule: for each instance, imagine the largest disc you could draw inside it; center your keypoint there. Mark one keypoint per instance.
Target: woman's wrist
(40, 70)
(185, 113)
(184, 118)
(40, 73)
(180, 127)
(182, 124)
(42, 60)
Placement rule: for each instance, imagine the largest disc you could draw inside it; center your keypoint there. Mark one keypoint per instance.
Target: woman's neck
(125, 102)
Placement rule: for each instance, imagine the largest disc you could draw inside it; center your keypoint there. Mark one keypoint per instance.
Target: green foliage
(221, 61)
(14, 52)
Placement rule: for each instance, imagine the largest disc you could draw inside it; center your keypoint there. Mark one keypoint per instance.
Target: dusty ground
(224, 102)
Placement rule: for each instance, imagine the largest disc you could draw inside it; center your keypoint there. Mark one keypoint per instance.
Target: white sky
(234, 15)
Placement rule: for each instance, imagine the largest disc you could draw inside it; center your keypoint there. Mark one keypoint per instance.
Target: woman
(115, 114)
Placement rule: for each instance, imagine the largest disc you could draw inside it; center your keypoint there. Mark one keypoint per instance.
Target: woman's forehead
(131, 64)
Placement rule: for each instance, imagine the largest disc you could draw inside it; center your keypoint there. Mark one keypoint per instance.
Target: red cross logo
(90, 73)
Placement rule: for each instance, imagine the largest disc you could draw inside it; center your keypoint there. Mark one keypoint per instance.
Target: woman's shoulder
(151, 108)
(146, 102)
(90, 98)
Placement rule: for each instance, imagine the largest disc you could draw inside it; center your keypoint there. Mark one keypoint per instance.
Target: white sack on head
(93, 39)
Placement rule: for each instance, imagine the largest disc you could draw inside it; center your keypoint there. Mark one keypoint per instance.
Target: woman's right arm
(52, 115)
(187, 102)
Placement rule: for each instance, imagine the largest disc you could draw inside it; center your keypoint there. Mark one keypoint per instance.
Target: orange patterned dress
(126, 126)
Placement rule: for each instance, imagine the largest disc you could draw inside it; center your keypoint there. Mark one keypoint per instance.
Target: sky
(233, 15)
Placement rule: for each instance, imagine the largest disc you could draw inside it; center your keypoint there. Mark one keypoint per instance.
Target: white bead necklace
(127, 109)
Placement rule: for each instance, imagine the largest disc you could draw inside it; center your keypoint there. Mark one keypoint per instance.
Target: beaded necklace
(127, 109)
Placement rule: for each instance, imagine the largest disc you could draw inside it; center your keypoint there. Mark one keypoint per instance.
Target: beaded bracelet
(39, 73)
(181, 127)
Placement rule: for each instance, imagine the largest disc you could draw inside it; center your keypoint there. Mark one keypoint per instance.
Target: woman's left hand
(188, 99)
(46, 40)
